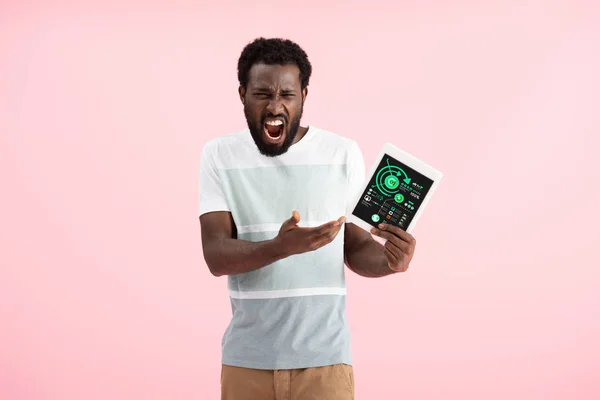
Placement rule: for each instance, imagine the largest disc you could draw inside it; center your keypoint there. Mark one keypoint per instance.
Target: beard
(257, 132)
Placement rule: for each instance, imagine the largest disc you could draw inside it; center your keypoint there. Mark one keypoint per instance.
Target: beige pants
(334, 382)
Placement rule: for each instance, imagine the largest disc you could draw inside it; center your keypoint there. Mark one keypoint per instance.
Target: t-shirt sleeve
(211, 196)
(356, 173)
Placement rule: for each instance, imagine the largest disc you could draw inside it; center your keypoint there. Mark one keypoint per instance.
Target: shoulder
(233, 140)
(335, 143)
(224, 150)
(333, 139)
(329, 140)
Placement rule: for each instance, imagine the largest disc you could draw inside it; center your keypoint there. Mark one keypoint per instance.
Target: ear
(304, 94)
(242, 93)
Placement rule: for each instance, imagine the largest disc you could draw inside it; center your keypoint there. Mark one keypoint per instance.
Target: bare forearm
(234, 256)
(369, 260)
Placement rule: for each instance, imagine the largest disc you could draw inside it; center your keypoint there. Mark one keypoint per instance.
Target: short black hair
(274, 51)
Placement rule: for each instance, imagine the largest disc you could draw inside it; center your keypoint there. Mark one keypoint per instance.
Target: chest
(270, 194)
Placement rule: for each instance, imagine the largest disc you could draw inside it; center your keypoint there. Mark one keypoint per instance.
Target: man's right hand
(295, 240)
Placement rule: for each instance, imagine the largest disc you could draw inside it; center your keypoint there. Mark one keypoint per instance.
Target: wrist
(276, 248)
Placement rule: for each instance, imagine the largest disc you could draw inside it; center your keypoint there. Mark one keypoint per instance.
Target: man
(272, 201)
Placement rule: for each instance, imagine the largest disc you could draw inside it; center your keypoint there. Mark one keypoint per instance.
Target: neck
(301, 132)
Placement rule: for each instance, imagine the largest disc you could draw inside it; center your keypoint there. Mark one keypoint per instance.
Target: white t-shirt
(289, 314)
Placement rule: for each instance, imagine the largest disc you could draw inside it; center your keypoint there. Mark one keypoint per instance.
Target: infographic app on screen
(393, 195)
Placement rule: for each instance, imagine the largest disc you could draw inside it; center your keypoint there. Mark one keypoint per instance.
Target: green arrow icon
(406, 179)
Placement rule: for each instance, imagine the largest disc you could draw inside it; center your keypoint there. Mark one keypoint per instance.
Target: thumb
(293, 221)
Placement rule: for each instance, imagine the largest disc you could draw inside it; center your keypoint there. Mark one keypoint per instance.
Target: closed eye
(264, 95)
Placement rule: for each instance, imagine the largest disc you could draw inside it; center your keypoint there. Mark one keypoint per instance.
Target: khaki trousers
(333, 382)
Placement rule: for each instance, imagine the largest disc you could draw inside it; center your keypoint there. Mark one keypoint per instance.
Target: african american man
(272, 200)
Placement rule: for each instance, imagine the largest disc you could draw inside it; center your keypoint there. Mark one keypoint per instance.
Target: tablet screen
(393, 195)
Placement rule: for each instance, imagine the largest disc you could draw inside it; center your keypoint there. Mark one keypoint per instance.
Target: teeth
(274, 123)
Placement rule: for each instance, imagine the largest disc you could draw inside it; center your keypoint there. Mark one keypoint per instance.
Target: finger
(402, 247)
(325, 238)
(393, 263)
(325, 228)
(328, 235)
(291, 222)
(405, 236)
(390, 237)
(391, 259)
(392, 248)
(295, 216)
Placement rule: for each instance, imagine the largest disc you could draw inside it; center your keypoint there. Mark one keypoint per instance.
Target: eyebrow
(267, 89)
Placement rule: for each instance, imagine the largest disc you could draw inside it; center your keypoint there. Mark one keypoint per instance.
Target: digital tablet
(395, 192)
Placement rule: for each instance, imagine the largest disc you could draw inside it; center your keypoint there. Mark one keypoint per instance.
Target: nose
(275, 106)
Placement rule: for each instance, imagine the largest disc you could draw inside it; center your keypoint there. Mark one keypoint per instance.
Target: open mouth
(274, 130)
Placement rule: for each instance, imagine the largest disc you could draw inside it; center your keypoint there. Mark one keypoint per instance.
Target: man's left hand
(399, 246)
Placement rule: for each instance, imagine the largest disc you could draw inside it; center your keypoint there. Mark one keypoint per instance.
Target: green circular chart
(392, 182)
(389, 178)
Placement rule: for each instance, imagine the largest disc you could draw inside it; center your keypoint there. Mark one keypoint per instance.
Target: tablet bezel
(410, 161)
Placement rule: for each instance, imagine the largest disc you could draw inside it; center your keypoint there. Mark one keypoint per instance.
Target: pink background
(103, 112)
